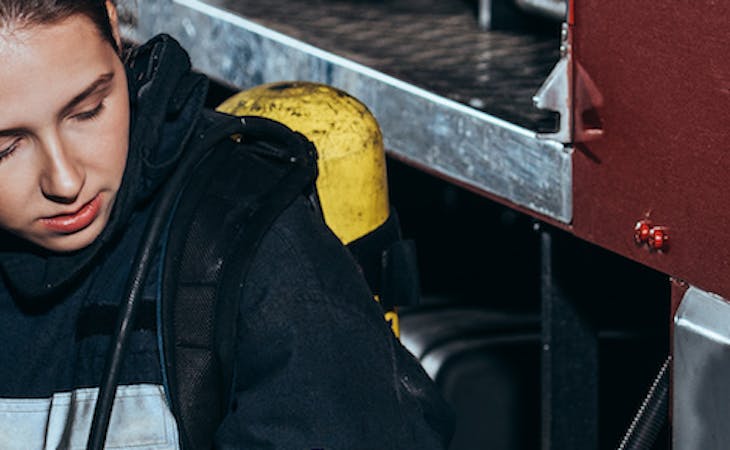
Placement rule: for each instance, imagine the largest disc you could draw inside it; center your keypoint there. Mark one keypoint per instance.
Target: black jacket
(316, 364)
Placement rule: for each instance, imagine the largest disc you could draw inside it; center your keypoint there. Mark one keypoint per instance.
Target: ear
(114, 22)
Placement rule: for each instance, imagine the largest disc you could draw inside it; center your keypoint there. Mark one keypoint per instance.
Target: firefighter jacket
(316, 366)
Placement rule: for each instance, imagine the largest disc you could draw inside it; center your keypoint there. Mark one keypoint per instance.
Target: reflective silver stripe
(140, 419)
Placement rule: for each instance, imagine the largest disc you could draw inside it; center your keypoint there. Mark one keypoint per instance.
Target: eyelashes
(91, 114)
(84, 116)
(8, 151)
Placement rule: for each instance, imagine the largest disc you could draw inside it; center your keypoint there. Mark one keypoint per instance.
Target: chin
(72, 245)
(66, 243)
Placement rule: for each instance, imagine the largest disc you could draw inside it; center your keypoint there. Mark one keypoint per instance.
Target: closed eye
(88, 115)
(8, 151)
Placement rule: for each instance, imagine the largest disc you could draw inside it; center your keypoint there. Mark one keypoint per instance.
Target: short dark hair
(30, 12)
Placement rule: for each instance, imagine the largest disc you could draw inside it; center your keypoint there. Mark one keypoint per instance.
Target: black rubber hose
(652, 414)
(141, 267)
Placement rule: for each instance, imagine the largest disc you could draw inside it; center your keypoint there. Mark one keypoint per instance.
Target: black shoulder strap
(222, 214)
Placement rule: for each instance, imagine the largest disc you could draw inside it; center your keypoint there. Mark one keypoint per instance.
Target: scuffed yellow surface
(352, 181)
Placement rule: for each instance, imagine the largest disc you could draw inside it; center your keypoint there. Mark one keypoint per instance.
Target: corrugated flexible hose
(652, 414)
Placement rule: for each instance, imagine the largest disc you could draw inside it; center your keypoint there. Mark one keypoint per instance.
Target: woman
(86, 142)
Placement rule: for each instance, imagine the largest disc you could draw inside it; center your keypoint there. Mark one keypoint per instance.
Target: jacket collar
(166, 100)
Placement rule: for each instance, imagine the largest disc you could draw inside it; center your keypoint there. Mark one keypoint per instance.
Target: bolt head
(641, 231)
(658, 238)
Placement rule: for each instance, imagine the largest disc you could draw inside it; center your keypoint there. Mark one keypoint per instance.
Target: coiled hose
(652, 414)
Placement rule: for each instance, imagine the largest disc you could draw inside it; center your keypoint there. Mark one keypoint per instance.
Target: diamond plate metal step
(451, 99)
(435, 45)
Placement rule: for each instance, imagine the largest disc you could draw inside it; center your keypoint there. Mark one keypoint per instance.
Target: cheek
(20, 194)
(111, 154)
(20, 199)
(13, 204)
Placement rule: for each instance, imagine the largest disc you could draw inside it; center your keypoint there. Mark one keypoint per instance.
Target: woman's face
(64, 125)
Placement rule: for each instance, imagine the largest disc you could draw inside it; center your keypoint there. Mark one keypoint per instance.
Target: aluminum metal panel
(458, 142)
(701, 400)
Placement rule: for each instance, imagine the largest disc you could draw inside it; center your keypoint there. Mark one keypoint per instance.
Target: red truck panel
(663, 70)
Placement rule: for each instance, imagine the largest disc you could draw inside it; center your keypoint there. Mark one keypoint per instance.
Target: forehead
(45, 64)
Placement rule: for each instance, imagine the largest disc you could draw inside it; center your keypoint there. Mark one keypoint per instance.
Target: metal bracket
(570, 92)
(555, 94)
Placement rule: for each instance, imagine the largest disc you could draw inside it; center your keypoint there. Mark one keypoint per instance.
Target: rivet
(658, 238)
(641, 231)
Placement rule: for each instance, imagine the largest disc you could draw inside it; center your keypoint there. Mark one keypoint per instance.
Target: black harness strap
(141, 266)
(222, 215)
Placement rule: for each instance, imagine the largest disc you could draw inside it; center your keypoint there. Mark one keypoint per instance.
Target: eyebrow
(104, 79)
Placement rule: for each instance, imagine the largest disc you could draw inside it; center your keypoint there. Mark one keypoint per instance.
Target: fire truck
(561, 165)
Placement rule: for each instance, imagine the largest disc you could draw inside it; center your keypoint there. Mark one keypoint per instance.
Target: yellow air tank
(352, 181)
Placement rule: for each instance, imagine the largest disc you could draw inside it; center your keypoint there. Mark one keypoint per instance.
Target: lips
(76, 221)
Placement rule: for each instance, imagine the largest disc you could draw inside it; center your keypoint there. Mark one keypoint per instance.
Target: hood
(166, 100)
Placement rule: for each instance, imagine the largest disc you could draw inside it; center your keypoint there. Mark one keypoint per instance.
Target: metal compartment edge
(460, 143)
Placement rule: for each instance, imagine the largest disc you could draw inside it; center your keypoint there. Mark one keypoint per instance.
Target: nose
(62, 177)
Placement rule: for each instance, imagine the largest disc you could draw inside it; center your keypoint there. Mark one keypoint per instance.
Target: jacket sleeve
(317, 365)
